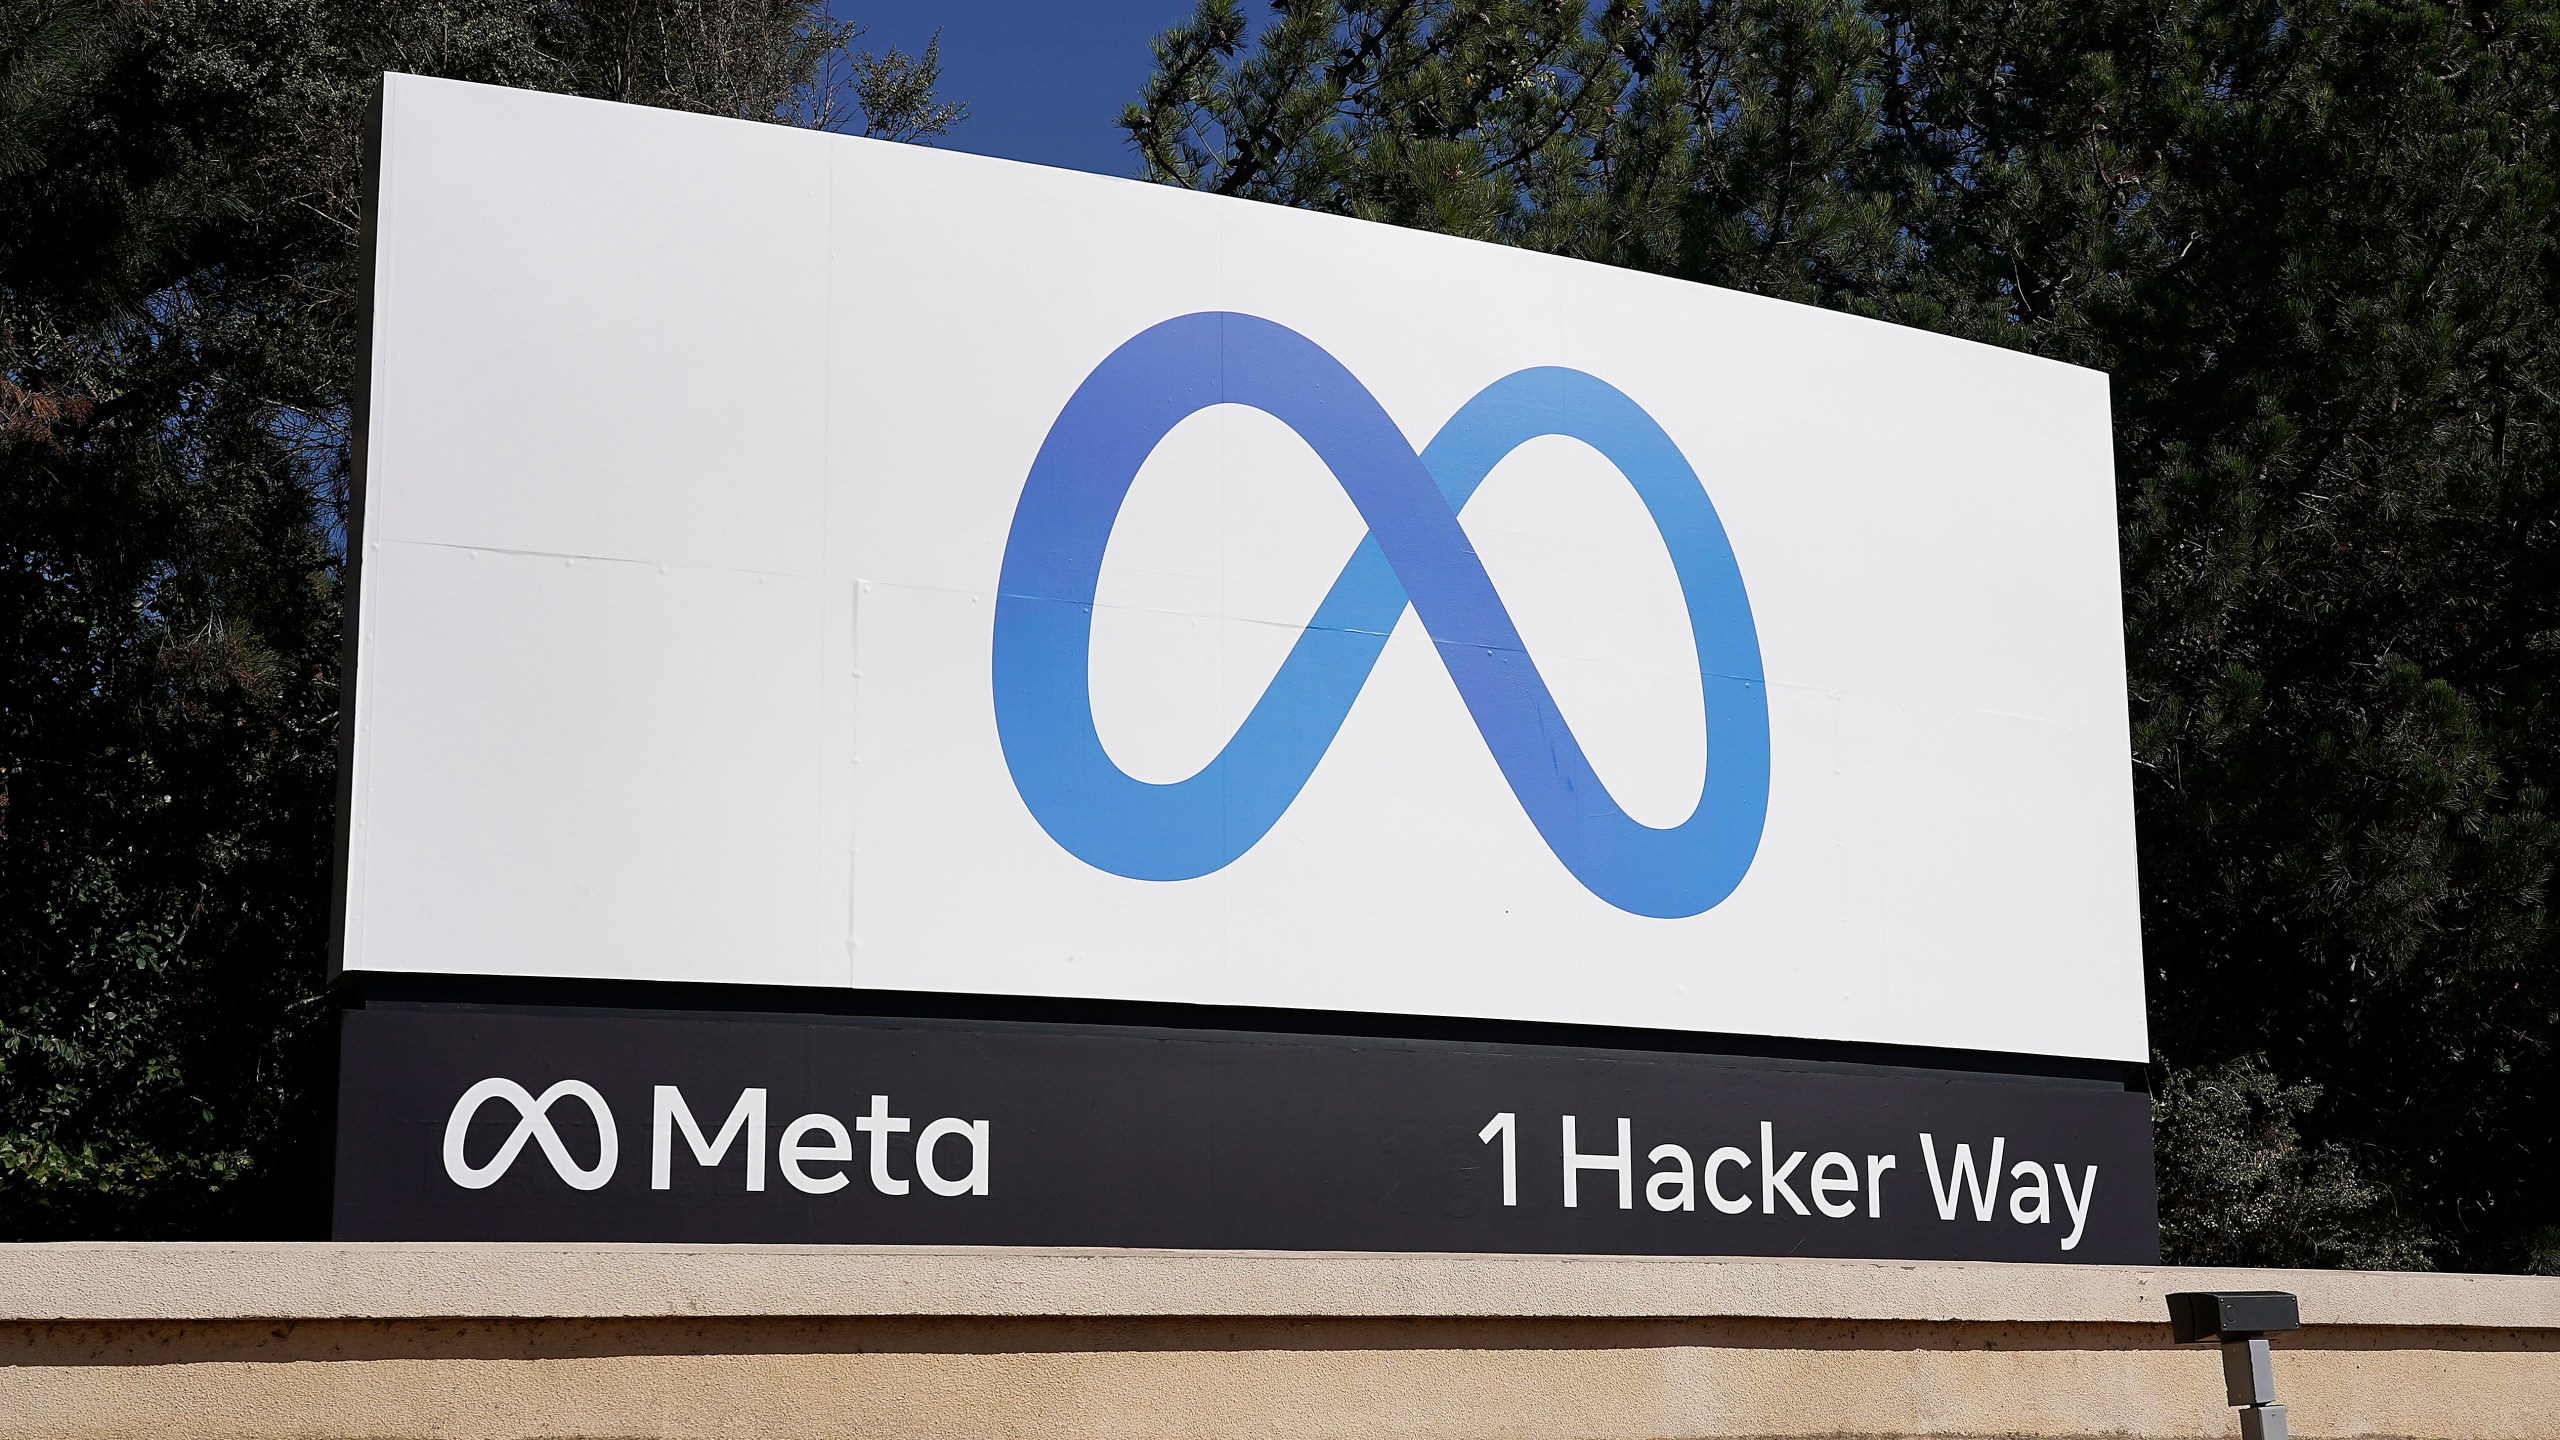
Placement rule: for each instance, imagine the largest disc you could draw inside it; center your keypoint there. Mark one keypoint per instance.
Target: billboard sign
(795, 559)
(813, 594)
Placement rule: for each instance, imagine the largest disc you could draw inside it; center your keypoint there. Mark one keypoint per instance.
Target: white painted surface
(694, 446)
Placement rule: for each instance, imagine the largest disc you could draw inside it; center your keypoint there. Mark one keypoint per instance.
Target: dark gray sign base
(771, 1128)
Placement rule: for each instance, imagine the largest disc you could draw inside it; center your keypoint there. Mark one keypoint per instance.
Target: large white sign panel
(793, 559)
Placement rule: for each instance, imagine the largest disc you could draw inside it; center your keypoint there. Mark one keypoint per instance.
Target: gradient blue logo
(1415, 554)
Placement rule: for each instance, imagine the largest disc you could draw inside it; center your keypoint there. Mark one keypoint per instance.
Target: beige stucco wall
(643, 1340)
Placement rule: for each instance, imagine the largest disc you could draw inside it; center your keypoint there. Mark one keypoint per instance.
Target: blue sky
(1044, 79)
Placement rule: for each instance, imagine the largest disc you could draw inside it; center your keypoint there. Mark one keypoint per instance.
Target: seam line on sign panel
(1099, 606)
(2015, 715)
(971, 591)
(516, 554)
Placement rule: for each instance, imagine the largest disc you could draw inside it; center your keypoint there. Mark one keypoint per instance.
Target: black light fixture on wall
(2241, 1320)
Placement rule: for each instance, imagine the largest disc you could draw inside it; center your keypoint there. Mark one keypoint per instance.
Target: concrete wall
(344, 1340)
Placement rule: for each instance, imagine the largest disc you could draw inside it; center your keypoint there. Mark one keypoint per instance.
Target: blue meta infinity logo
(1415, 554)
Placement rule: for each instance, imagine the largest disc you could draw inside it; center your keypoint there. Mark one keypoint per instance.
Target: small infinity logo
(533, 1122)
(1415, 553)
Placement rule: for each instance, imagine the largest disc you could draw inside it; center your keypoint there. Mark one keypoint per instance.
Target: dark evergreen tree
(2317, 248)
(178, 309)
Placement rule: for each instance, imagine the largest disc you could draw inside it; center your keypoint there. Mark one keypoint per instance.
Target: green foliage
(2315, 247)
(178, 315)
(899, 94)
(2240, 1186)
